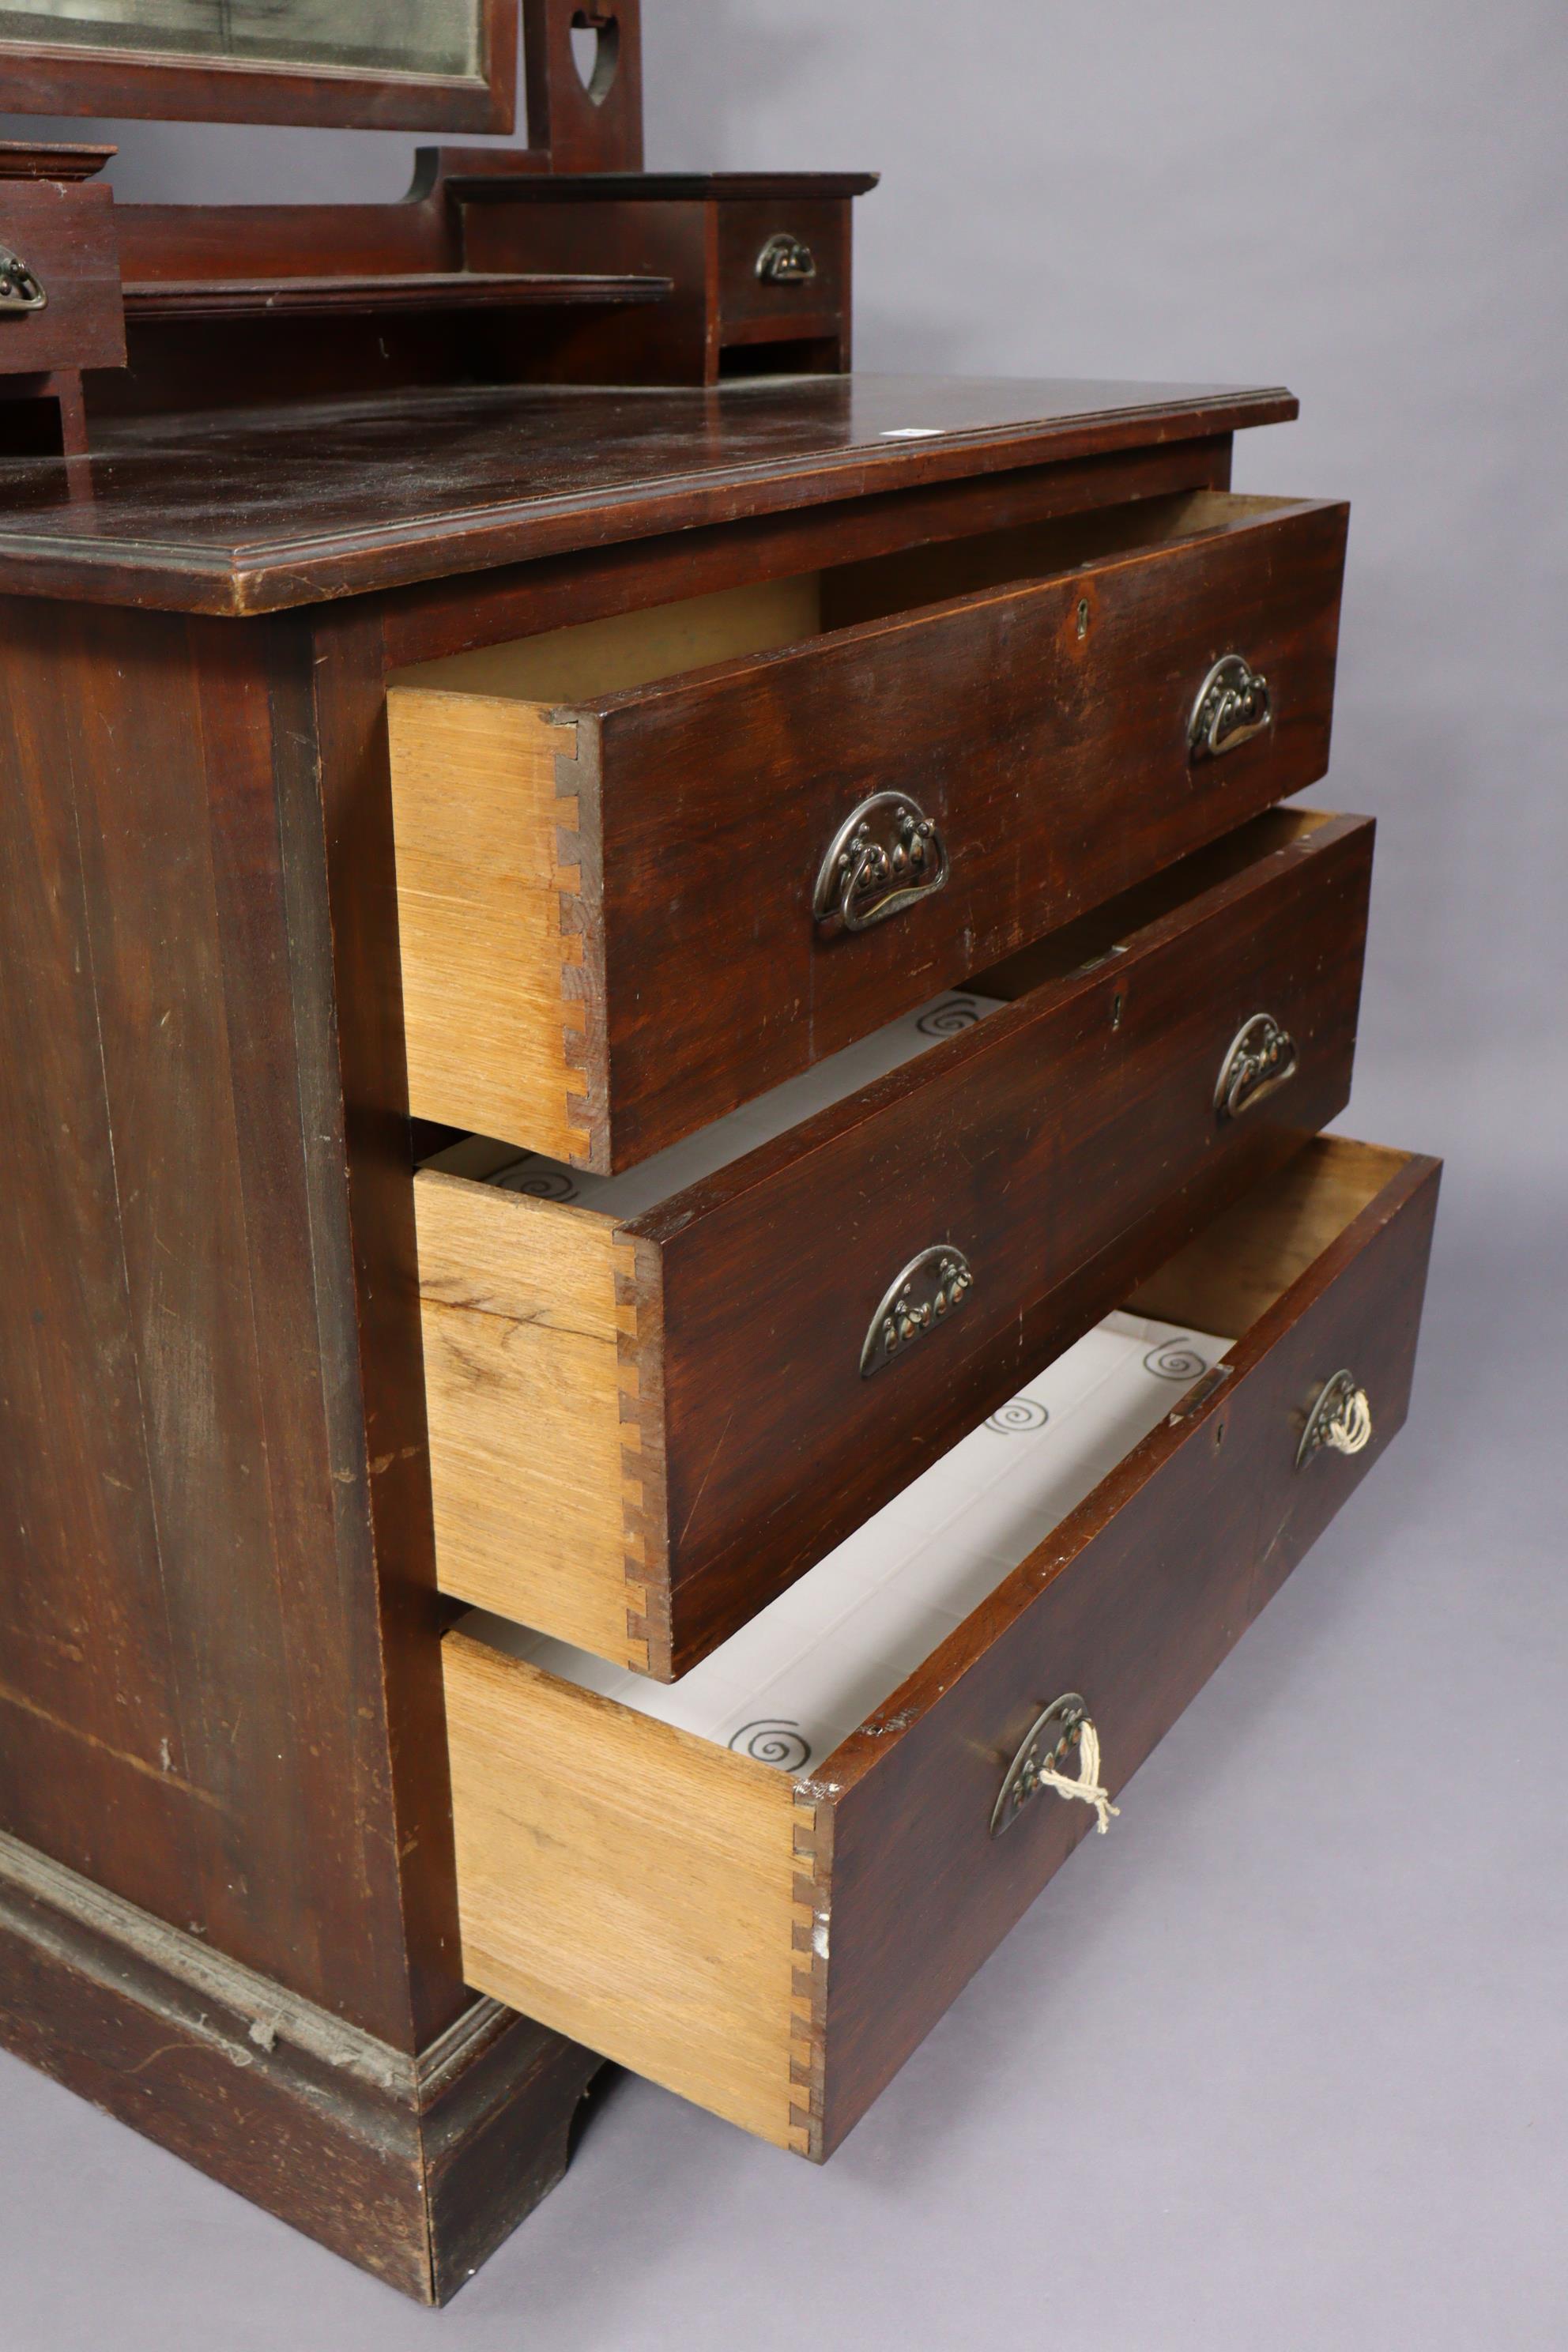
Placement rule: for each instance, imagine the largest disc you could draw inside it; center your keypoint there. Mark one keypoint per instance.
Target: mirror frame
(56, 77)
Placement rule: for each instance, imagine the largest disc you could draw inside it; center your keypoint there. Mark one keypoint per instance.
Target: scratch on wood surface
(707, 1473)
(167, 1778)
(382, 1463)
(164, 2050)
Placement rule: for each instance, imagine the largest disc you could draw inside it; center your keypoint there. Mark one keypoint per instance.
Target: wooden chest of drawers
(773, 1944)
(510, 792)
(759, 265)
(612, 1455)
(623, 850)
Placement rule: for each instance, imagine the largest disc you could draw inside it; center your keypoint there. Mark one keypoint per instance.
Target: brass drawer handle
(1260, 1058)
(930, 1290)
(1232, 708)
(786, 261)
(1342, 1419)
(885, 856)
(19, 289)
(1055, 1731)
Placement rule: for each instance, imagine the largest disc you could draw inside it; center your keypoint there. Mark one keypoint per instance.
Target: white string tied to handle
(1087, 1785)
(1037, 1765)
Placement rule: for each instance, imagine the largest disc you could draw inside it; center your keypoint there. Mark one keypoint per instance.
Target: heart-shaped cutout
(595, 51)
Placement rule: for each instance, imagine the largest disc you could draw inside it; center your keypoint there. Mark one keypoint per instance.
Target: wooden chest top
(250, 510)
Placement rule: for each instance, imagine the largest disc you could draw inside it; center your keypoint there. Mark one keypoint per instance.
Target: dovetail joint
(583, 1108)
(648, 1605)
(808, 2005)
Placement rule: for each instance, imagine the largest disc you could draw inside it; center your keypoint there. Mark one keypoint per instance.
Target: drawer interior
(709, 1882)
(606, 1358)
(1096, 937)
(796, 1682)
(813, 1664)
(595, 659)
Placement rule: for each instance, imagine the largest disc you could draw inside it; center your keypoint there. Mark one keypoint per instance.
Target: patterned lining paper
(703, 1154)
(789, 1686)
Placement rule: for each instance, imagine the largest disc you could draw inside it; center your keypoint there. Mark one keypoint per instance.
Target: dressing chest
(673, 1274)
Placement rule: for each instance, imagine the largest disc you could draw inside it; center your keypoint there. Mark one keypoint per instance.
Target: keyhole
(1083, 616)
(595, 52)
(1116, 1010)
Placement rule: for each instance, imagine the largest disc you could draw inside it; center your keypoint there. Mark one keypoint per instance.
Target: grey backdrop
(1282, 2061)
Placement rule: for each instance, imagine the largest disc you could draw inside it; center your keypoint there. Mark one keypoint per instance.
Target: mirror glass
(420, 36)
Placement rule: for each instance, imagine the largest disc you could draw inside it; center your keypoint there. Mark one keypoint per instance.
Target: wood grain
(501, 939)
(641, 1889)
(65, 231)
(522, 1383)
(431, 293)
(429, 622)
(583, 128)
(1057, 771)
(1055, 767)
(182, 1438)
(623, 1880)
(1133, 1601)
(270, 507)
(490, 953)
(1238, 1267)
(413, 2168)
(1065, 1146)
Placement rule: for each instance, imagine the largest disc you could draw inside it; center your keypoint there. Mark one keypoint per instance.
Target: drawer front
(1063, 1147)
(782, 269)
(1043, 731)
(723, 1404)
(64, 238)
(775, 1948)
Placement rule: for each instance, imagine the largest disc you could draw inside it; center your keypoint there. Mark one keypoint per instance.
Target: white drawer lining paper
(789, 1686)
(772, 1114)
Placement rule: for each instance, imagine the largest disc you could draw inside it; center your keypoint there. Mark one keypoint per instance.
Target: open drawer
(773, 1937)
(650, 867)
(656, 1398)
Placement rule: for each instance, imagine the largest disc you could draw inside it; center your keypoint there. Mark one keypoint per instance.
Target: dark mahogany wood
(42, 159)
(595, 126)
(1052, 756)
(206, 242)
(183, 1433)
(64, 231)
(704, 232)
(453, 193)
(413, 2168)
(220, 1699)
(1065, 1146)
(444, 617)
(279, 507)
(429, 292)
(750, 305)
(377, 1301)
(671, 187)
(212, 340)
(1134, 1601)
(67, 77)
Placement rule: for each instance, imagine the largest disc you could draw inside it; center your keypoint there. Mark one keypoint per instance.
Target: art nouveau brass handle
(928, 1292)
(885, 856)
(1260, 1058)
(1232, 708)
(786, 261)
(1062, 1730)
(1341, 1419)
(19, 289)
